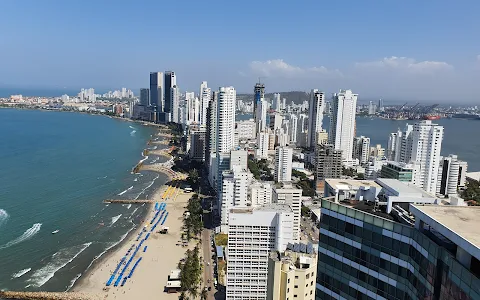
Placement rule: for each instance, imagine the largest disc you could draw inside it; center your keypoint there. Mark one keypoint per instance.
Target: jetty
(126, 201)
(48, 295)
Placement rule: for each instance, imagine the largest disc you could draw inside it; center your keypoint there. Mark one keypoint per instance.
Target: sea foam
(125, 191)
(115, 219)
(29, 233)
(21, 273)
(59, 260)
(3, 217)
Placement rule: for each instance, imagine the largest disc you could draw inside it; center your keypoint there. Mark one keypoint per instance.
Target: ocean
(460, 136)
(56, 168)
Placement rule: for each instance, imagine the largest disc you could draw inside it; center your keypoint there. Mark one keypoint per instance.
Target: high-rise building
(361, 149)
(322, 137)
(315, 116)
(245, 129)
(175, 104)
(378, 151)
(283, 164)
(145, 97)
(225, 133)
(328, 162)
(156, 90)
(292, 274)
(277, 103)
(431, 252)
(268, 228)
(371, 108)
(261, 115)
(287, 194)
(234, 193)
(260, 193)
(170, 81)
(197, 145)
(380, 107)
(342, 123)
(205, 96)
(293, 128)
(211, 148)
(400, 171)
(450, 174)
(239, 159)
(262, 145)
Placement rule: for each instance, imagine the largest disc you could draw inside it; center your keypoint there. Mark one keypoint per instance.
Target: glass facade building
(362, 255)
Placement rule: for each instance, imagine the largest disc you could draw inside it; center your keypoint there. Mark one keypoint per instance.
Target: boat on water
(466, 116)
(56, 231)
(432, 117)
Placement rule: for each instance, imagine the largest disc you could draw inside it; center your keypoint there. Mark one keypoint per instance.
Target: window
(294, 296)
(288, 280)
(296, 277)
(296, 286)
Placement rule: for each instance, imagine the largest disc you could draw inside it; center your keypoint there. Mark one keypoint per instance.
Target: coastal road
(208, 263)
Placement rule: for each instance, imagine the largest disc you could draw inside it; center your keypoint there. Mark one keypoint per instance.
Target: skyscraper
(283, 164)
(170, 82)
(205, 97)
(293, 128)
(361, 149)
(190, 99)
(145, 97)
(259, 94)
(175, 104)
(315, 116)
(328, 162)
(156, 90)
(277, 102)
(342, 123)
(261, 115)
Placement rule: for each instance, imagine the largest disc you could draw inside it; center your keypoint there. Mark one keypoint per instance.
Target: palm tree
(183, 296)
(204, 294)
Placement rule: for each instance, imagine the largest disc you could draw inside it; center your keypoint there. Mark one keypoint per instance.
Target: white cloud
(279, 68)
(406, 64)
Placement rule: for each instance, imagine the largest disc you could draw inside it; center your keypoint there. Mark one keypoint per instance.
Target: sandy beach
(161, 256)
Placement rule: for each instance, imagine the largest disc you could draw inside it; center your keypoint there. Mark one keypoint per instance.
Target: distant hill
(296, 96)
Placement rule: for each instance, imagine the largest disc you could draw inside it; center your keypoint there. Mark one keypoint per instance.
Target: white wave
(21, 273)
(115, 219)
(61, 259)
(136, 179)
(29, 233)
(3, 217)
(153, 181)
(72, 282)
(125, 191)
(134, 211)
(133, 133)
(128, 206)
(131, 127)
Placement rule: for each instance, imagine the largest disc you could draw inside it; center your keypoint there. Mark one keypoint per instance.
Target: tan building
(292, 274)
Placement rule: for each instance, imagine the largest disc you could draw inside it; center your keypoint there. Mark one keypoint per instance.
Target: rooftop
(273, 207)
(344, 184)
(403, 188)
(460, 224)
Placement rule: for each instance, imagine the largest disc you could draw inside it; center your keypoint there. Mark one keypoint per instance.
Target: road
(207, 256)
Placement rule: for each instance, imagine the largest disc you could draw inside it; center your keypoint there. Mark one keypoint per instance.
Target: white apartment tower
(277, 102)
(261, 112)
(234, 193)
(291, 196)
(175, 103)
(190, 100)
(225, 119)
(262, 145)
(260, 194)
(205, 96)
(426, 146)
(361, 149)
(252, 234)
(342, 123)
(315, 116)
(283, 164)
(293, 128)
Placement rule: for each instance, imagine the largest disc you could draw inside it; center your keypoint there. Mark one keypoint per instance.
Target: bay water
(56, 168)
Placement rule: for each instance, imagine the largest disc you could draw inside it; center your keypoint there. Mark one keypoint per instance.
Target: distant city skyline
(392, 50)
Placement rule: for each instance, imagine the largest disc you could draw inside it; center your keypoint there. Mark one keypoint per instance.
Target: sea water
(56, 168)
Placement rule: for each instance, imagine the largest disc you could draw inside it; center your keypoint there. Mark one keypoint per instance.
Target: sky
(425, 50)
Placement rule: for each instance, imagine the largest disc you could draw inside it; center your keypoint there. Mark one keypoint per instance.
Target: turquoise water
(55, 170)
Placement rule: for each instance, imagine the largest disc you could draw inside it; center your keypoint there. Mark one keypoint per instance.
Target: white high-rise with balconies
(262, 146)
(277, 102)
(205, 96)
(293, 128)
(234, 192)
(426, 146)
(315, 116)
(361, 149)
(283, 164)
(175, 104)
(261, 115)
(342, 123)
(252, 234)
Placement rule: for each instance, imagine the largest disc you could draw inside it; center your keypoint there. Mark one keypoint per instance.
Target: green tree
(204, 294)
(193, 176)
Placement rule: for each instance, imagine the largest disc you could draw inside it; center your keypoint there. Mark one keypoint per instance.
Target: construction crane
(400, 109)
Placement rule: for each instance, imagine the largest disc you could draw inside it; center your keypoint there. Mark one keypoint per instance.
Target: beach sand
(152, 272)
